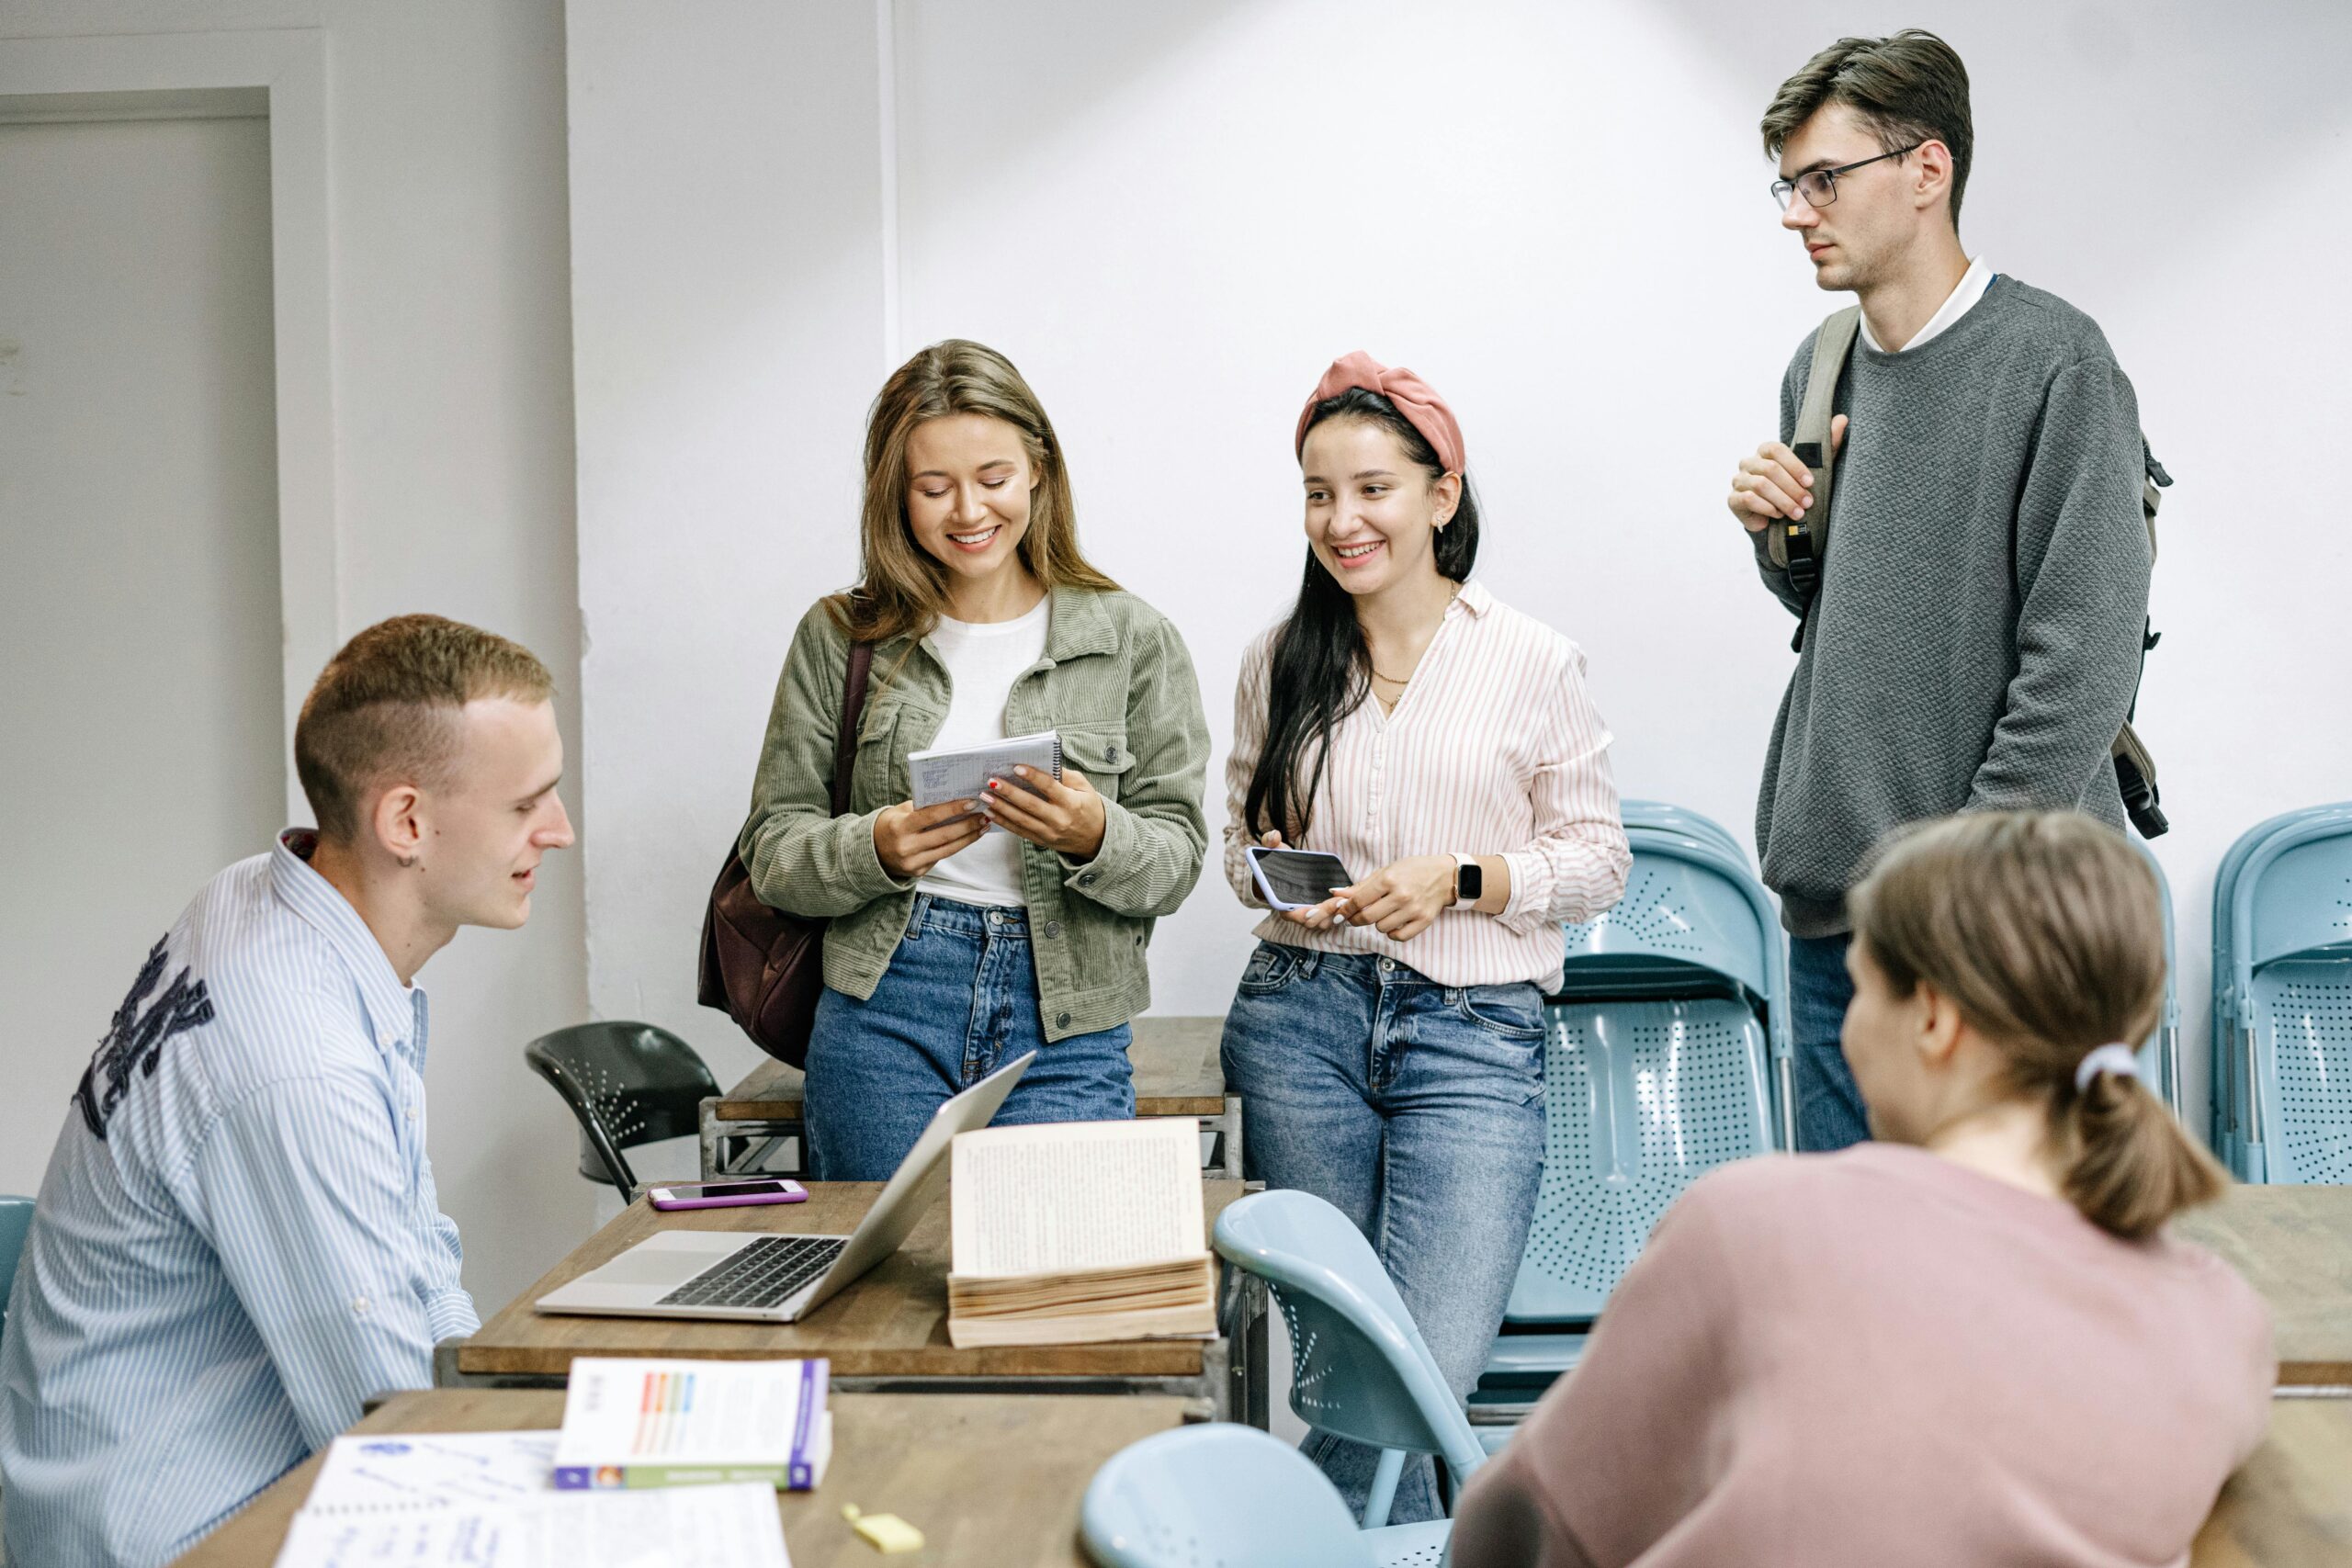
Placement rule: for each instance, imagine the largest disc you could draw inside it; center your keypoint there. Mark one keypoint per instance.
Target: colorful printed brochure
(645, 1423)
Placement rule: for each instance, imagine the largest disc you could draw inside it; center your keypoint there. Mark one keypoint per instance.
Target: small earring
(407, 861)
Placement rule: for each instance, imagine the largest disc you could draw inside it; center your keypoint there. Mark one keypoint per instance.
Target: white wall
(453, 469)
(1173, 216)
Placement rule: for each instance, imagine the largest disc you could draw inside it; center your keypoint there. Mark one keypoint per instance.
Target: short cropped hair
(1908, 88)
(386, 709)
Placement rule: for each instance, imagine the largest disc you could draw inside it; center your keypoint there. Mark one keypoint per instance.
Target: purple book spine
(814, 1375)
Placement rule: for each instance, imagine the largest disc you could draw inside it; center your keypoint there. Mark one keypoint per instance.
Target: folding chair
(1359, 1366)
(1230, 1495)
(1665, 1055)
(2160, 1058)
(2282, 999)
(627, 1084)
(15, 1221)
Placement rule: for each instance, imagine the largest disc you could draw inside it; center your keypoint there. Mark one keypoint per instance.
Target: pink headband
(1414, 398)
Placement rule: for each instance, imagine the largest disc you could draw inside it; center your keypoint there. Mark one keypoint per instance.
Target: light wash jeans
(1417, 1110)
(1830, 1105)
(958, 1000)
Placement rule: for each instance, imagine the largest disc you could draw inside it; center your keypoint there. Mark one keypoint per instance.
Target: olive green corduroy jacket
(1116, 683)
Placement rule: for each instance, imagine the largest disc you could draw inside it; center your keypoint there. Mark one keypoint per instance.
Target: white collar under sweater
(1965, 293)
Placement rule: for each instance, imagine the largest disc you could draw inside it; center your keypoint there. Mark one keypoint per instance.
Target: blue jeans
(1417, 1110)
(958, 1000)
(1829, 1108)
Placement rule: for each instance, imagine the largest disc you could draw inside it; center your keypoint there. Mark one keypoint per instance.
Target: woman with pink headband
(1388, 1040)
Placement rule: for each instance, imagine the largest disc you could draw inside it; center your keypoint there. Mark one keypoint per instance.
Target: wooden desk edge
(1146, 1105)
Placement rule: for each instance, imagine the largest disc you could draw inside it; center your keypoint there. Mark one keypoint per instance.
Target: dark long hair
(1321, 669)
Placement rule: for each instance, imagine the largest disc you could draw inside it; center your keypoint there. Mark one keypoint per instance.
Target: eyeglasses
(1819, 186)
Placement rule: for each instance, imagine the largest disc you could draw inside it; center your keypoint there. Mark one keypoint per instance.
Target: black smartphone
(1296, 879)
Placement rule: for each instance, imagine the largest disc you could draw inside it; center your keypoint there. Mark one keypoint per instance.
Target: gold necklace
(1441, 616)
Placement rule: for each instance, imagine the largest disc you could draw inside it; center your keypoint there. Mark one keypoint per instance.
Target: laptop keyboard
(764, 1274)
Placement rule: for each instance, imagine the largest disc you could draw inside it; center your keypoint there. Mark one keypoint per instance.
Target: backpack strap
(1799, 547)
(861, 664)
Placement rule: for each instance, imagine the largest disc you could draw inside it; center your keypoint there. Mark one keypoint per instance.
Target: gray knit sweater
(1975, 642)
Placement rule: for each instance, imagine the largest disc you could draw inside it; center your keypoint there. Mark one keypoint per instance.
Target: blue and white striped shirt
(238, 1239)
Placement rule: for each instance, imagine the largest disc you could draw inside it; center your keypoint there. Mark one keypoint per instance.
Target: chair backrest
(1217, 1495)
(2160, 1055)
(1359, 1366)
(1694, 922)
(15, 1219)
(627, 1084)
(1667, 817)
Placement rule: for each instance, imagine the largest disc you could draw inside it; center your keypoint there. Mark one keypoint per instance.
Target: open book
(1075, 1232)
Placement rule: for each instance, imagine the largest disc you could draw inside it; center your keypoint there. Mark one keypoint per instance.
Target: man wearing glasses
(1972, 639)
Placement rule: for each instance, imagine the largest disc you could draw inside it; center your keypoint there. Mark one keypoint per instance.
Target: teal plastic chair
(2282, 999)
(16, 1219)
(1667, 817)
(1218, 1495)
(1359, 1366)
(2160, 1058)
(1665, 1055)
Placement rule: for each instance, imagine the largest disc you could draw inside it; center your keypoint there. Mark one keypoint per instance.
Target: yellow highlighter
(887, 1534)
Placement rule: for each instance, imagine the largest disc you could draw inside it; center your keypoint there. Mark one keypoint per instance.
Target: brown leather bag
(763, 968)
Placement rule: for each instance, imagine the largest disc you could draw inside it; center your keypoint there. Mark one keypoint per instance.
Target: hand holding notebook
(963, 772)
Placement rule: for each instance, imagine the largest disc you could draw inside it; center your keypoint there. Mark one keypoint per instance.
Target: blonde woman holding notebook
(952, 948)
(1388, 1041)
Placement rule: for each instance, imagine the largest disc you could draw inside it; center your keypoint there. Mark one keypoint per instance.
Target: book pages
(1071, 1196)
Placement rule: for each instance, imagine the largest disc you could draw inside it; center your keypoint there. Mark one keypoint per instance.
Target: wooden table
(1177, 1072)
(2294, 1246)
(2293, 1502)
(886, 1333)
(987, 1478)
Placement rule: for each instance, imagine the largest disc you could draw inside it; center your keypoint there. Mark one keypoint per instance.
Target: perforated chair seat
(1220, 1496)
(1641, 1099)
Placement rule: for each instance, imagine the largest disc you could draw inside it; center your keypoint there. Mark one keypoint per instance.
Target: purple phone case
(733, 1201)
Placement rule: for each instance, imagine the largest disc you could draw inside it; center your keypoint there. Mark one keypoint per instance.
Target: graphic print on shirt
(139, 1037)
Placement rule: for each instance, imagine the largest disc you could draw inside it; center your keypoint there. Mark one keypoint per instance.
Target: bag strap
(861, 664)
(1799, 547)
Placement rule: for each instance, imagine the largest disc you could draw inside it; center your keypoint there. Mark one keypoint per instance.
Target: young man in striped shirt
(238, 1239)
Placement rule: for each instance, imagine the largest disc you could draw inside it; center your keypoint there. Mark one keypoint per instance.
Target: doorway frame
(280, 74)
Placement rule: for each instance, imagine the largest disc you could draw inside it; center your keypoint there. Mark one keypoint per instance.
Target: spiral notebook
(961, 772)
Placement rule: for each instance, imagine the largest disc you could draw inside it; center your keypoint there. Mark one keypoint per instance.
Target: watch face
(1470, 882)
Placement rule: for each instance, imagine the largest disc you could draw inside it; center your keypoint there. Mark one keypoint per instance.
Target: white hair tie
(2119, 1059)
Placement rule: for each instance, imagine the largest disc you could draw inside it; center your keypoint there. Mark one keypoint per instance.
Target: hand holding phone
(725, 1194)
(1295, 879)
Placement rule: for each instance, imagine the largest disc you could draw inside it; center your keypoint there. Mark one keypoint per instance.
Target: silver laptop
(781, 1279)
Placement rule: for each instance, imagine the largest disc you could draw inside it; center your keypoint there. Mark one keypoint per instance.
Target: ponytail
(2133, 1166)
(2046, 931)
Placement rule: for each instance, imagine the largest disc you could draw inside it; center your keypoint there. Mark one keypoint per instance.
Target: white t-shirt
(983, 660)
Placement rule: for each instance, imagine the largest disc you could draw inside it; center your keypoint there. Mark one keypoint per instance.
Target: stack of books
(1079, 1232)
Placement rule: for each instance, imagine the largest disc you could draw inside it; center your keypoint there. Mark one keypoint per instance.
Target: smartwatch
(1469, 879)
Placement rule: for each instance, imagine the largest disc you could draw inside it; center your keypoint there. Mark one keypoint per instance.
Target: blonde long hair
(2045, 929)
(904, 591)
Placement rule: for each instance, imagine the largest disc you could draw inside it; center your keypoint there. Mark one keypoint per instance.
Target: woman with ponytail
(1388, 1041)
(1973, 1341)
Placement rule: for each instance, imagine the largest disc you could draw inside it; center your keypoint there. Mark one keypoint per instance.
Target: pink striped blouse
(1494, 749)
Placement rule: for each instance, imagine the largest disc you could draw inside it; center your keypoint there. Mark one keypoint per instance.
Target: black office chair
(628, 1084)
